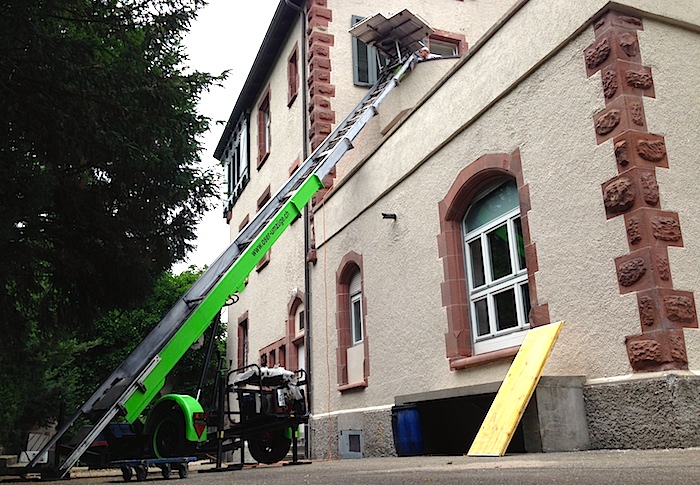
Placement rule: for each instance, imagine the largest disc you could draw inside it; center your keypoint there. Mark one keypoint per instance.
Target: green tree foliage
(71, 371)
(101, 186)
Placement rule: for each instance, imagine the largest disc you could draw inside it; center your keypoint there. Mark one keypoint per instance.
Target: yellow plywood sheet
(497, 429)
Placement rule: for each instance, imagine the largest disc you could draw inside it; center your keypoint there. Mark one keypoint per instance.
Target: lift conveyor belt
(137, 380)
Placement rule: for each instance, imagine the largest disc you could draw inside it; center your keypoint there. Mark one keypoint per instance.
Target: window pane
(482, 317)
(477, 262)
(520, 243)
(525, 291)
(501, 200)
(443, 48)
(357, 319)
(499, 253)
(362, 63)
(505, 310)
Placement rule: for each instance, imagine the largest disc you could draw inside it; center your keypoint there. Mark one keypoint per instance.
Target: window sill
(262, 158)
(356, 385)
(465, 362)
(263, 262)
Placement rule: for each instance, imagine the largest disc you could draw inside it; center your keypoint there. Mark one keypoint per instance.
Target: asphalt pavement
(638, 467)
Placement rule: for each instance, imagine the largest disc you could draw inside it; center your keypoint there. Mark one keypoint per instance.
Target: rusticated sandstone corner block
(628, 43)
(319, 89)
(639, 149)
(653, 228)
(611, 83)
(629, 191)
(621, 77)
(318, 51)
(619, 195)
(644, 269)
(597, 55)
(650, 188)
(637, 80)
(617, 19)
(616, 44)
(657, 351)
(621, 114)
(321, 38)
(666, 308)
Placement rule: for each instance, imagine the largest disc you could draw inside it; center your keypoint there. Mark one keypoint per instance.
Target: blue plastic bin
(407, 430)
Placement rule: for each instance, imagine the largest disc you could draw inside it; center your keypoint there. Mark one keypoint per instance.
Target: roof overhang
(282, 22)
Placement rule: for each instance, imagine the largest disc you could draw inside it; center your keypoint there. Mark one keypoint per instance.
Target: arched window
(296, 323)
(351, 313)
(499, 296)
(489, 262)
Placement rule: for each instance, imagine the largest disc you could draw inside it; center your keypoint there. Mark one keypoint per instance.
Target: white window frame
(299, 322)
(440, 47)
(356, 326)
(236, 160)
(373, 58)
(510, 337)
(268, 128)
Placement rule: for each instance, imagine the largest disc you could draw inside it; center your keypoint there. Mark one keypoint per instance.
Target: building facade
(542, 170)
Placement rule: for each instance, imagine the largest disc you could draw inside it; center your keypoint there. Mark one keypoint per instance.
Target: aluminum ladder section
(197, 307)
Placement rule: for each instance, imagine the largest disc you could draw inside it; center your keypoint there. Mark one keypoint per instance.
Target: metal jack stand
(295, 453)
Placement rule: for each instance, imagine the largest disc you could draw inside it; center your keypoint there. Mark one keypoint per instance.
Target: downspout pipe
(307, 218)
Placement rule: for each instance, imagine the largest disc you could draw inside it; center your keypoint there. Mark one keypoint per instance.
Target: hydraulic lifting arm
(137, 380)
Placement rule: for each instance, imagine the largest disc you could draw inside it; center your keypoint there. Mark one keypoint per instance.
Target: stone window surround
(293, 75)
(470, 181)
(294, 340)
(264, 145)
(242, 332)
(275, 352)
(459, 40)
(350, 263)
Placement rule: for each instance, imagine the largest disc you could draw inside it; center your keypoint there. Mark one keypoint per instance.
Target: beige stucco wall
(543, 104)
(268, 292)
(471, 19)
(666, 49)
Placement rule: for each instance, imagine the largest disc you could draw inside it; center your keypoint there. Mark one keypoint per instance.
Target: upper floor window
(447, 44)
(293, 75)
(264, 128)
(365, 60)
(236, 163)
(496, 272)
(443, 48)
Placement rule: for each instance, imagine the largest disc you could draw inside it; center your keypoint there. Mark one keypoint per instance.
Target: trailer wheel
(183, 470)
(165, 470)
(127, 473)
(141, 473)
(169, 439)
(269, 447)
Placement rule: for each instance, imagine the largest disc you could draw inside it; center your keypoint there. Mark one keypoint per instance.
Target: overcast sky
(226, 35)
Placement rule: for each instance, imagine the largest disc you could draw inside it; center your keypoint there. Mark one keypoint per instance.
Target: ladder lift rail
(129, 382)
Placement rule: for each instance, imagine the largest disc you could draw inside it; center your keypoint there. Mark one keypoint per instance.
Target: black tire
(269, 447)
(141, 473)
(169, 439)
(183, 470)
(127, 473)
(165, 470)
